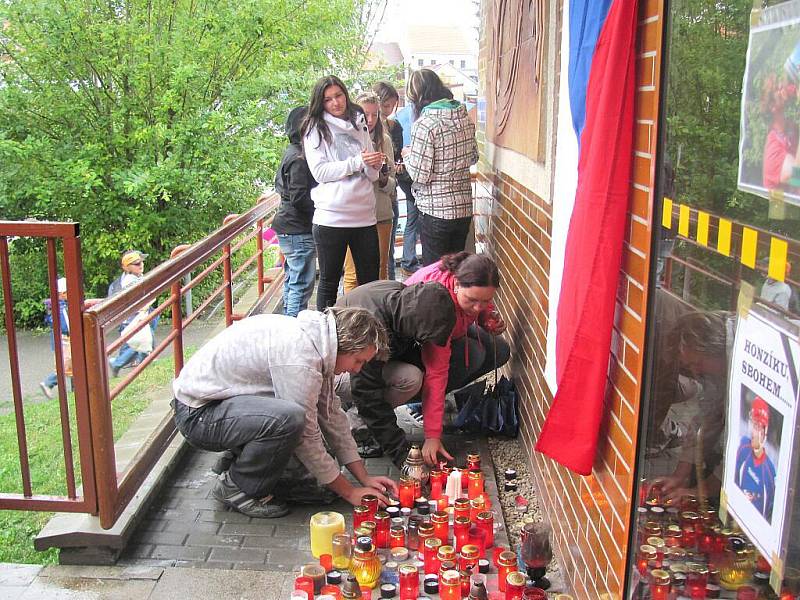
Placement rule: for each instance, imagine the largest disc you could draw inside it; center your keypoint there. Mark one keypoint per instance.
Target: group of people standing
(338, 184)
(268, 391)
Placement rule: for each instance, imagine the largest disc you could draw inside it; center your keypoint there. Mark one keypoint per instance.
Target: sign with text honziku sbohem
(761, 453)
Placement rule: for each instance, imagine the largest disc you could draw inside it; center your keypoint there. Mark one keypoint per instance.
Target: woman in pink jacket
(472, 280)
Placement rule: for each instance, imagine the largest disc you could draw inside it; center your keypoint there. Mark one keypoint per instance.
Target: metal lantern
(415, 466)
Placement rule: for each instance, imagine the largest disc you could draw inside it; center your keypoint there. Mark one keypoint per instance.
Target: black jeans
(332, 243)
(261, 431)
(442, 236)
(471, 357)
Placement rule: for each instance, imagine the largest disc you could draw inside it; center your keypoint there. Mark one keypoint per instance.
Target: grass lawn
(46, 456)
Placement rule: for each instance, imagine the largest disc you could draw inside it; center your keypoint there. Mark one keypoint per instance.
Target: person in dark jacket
(413, 317)
(293, 182)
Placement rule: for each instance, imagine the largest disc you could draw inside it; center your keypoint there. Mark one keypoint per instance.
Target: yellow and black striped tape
(748, 249)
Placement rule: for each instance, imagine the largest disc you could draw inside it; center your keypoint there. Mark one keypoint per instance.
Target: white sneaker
(47, 391)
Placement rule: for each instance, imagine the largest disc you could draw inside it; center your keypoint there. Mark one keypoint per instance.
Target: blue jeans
(128, 355)
(299, 270)
(411, 233)
(393, 237)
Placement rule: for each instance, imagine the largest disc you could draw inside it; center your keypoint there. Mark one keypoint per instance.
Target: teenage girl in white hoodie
(339, 153)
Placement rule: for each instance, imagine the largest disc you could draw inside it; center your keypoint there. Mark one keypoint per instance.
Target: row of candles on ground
(392, 548)
(688, 554)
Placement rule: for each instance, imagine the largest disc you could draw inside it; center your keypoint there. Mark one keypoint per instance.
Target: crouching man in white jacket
(263, 389)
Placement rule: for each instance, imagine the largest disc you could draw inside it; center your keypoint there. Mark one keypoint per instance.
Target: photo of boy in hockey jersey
(754, 470)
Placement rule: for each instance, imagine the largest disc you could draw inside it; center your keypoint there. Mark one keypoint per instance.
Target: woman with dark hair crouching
(444, 334)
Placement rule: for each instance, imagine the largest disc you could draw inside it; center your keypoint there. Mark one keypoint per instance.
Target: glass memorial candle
(466, 582)
(425, 531)
(371, 502)
(461, 507)
(446, 554)
(406, 492)
(696, 581)
(305, 584)
(461, 527)
(453, 489)
(431, 555)
(360, 514)
(443, 502)
(397, 537)
(659, 585)
(365, 565)
(441, 526)
(468, 558)
(476, 506)
(382, 525)
(474, 462)
(450, 585)
(485, 522)
(478, 538)
(409, 582)
(506, 563)
(515, 583)
(323, 526)
(412, 534)
(437, 480)
(474, 484)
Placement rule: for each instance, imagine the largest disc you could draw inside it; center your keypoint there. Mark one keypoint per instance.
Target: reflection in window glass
(724, 230)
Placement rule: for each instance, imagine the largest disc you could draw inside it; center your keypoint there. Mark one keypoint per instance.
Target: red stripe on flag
(594, 248)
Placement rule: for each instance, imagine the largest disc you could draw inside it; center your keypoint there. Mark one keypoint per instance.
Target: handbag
(142, 340)
(488, 410)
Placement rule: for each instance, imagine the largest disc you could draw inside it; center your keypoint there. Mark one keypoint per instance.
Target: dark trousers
(261, 431)
(442, 236)
(472, 356)
(332, 244)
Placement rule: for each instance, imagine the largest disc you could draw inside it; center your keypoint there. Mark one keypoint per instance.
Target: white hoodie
(344, 196)
(280, 357)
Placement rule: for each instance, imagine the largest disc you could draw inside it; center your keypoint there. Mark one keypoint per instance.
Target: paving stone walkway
(186, 527)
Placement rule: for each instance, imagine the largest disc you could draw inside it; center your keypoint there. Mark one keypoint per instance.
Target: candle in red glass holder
(688, 536)
(473, 462)
(441, 526)
(424, 532)
(371, 502)
(696, 581)
(474, 484)
(450, 585)
(487, 502)
(443, 502)
(331, 590)
(746, 593)
(515, 583)
(461, 507)
(406, 492)
(478, 538)
(466, 583)
(417, 489)
(409, 582)
(646, 554)
(382, 525)
(366, 593)
(476, 506)
(659, 585)
(506, 563)
(326, 562)
(496, 554)
(485, 522)
(461, 527)
(397, 537)
(468, 558)
(360, 514)
(306, 584)
(437, 479)
(660, 546)
(431, 555)
(446, 554)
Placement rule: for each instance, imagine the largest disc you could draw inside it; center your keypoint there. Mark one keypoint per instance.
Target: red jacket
(436, 359)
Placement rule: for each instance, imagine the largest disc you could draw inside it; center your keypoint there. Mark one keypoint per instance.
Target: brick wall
(590, 515)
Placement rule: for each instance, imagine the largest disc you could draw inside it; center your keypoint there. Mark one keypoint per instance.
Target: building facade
(697, 248)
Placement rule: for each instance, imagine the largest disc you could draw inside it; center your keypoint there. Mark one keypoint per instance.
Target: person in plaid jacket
(442, 149)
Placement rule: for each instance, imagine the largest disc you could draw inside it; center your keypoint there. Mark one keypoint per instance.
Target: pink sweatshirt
(436, 359)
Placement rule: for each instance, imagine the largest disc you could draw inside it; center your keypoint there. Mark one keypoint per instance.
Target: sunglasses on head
(136, 264)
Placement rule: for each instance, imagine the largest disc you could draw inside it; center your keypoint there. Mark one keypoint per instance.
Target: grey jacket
(281, 357)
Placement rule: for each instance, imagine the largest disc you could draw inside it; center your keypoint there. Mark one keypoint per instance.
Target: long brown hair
(425, 87)
(316, 108)
(471, 269)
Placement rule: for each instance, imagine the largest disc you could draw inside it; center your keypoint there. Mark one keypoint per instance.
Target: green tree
(150, 120)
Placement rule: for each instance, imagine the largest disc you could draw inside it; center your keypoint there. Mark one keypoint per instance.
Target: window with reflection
(717, 413)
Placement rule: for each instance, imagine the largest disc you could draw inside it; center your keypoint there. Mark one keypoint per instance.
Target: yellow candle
(323, 527)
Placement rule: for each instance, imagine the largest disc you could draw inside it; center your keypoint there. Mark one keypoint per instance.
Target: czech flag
(592, 184)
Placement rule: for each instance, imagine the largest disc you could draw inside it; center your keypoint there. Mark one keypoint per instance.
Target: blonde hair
(377, 133)
(357, 329)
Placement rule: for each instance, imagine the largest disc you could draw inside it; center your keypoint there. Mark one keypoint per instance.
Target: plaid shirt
(442, 149)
